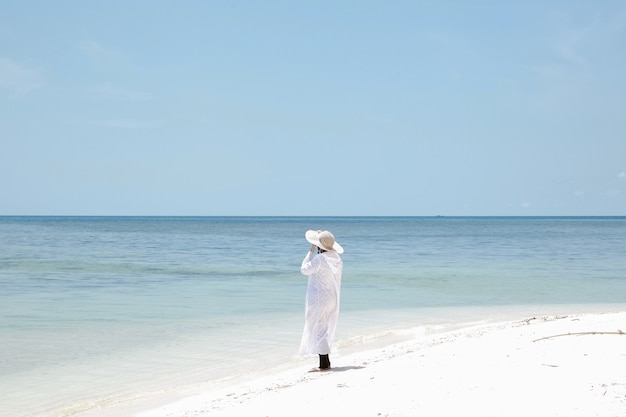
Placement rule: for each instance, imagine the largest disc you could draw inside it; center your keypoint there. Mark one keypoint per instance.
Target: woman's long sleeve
(309, 264)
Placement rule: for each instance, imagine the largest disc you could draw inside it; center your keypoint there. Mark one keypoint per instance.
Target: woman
(322, 295)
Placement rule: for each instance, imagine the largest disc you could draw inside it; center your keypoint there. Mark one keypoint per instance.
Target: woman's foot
(324, 362)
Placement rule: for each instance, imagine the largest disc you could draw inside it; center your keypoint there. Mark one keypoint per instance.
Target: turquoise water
(100, 310)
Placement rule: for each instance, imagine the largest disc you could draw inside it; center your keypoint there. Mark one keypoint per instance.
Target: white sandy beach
(532, 367)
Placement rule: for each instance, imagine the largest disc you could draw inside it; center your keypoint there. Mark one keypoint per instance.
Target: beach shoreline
(105, 315)
(519, 367)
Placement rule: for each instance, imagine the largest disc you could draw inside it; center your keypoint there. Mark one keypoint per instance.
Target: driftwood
(619, 332)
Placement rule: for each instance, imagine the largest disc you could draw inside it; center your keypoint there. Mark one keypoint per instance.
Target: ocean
(96, 312)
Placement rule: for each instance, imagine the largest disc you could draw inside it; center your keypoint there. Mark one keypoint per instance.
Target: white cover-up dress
(322, 301)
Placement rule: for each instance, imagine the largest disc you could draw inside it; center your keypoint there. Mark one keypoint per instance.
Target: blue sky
(313, 108)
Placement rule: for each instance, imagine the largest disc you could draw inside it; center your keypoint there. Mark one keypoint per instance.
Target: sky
(329, 108)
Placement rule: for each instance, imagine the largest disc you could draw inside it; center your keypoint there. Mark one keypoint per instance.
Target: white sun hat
(323, 239)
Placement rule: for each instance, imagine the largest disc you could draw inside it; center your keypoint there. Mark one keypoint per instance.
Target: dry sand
(534, 367)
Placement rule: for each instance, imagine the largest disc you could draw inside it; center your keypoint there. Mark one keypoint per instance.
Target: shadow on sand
(346, 368)
(338, 369)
